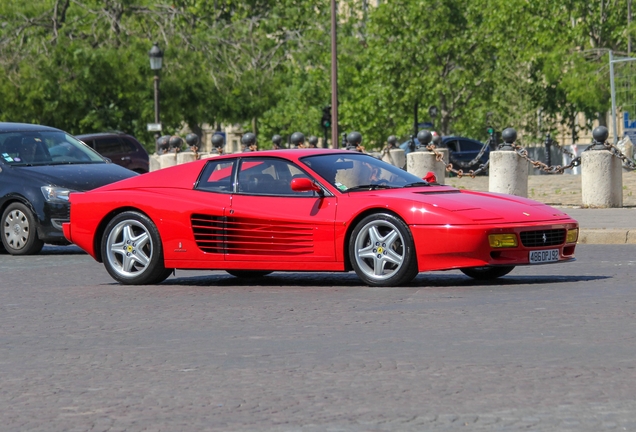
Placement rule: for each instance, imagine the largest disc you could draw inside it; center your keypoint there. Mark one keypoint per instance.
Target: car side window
(127, 146)
(470, 146)
(269, 176)
(109, 145)
(90, 143)
(453, 145)
(217, 176)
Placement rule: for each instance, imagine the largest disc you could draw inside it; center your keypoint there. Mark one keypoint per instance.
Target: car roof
(450, 137)
(291, 153)
(101, 134)
(24, 127)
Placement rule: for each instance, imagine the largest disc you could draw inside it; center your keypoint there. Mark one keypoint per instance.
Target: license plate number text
(544, 256)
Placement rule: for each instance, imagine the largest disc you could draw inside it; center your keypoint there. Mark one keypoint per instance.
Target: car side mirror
(430, 177)
(304, 185)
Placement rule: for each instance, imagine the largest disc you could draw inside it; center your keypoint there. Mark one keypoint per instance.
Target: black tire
(19, 232)
(382, 251)
(487, 273)
(132, 250)
(248, 274)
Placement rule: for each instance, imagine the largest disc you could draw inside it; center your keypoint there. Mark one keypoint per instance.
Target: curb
(606, 236)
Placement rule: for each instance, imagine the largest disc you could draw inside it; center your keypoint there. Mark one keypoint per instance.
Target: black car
(119, 147)
(465, 153)
(39, 167)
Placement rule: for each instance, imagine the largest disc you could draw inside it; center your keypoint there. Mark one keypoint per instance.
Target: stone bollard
(508, 170)
(395, 157)
(601, 174)
(154, 163)
(185, 157)
(208, 155)
(420, 162)
(167, 160)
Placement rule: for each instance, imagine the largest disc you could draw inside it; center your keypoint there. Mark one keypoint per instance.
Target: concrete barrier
(601, 179)
(508, 173)
(167, 160)
(154, 164)
(420, 163)
(395, 157)
(185, 157)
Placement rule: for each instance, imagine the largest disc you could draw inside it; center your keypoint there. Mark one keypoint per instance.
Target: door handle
(125, 158)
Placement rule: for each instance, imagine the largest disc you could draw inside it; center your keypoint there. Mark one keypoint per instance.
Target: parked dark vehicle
(39, 167)
(122, 149)
(462, 151)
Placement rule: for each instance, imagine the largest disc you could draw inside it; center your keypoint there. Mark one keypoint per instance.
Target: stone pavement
(598, 226)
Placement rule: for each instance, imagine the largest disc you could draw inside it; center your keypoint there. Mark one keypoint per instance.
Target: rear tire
(19, 231)
(132, 250)
(487, 273)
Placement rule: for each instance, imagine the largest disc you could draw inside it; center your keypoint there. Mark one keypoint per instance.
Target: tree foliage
(82, 65)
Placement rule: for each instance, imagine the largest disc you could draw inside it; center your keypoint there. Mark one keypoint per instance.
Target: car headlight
(502, 240)
(55, 194)
(572, 236)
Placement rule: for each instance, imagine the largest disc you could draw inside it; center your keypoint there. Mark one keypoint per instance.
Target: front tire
(382, 251)
(487, 273)
(19, 233)
(132, 250)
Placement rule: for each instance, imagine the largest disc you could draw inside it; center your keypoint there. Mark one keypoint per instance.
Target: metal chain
(439, 156)
(558, 169)
(476, 158)
(553, 169)
(616, 152)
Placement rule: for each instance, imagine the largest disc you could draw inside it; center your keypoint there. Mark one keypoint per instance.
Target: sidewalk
(598, 226)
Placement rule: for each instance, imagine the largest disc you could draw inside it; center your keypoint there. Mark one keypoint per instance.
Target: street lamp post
(334, 77)
(156, 57)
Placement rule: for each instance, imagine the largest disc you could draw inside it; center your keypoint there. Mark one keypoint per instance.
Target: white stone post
(208, 155)
(508, 172)
(419, 163)
(601, 174)
(185, 157)
(167, 160)
(395, 157)
(155, 163)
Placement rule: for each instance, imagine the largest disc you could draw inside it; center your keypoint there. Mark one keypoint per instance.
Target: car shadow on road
(282, 279)
(61, 250)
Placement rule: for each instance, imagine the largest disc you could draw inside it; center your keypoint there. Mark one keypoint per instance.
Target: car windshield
(357, 172)
(45, 148)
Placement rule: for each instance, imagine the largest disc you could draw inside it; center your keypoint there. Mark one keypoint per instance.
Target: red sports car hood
(481, 207)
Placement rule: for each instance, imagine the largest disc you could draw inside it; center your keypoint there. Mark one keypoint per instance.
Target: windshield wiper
(414, 184)
(369, 187)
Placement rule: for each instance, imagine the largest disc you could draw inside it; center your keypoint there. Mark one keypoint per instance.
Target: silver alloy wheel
(129, 248)
(379, 250)
(16, 229)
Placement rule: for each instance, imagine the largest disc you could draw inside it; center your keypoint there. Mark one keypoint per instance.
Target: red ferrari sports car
(254, 213)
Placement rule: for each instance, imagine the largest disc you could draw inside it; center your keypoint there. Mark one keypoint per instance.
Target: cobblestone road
(546, 348)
